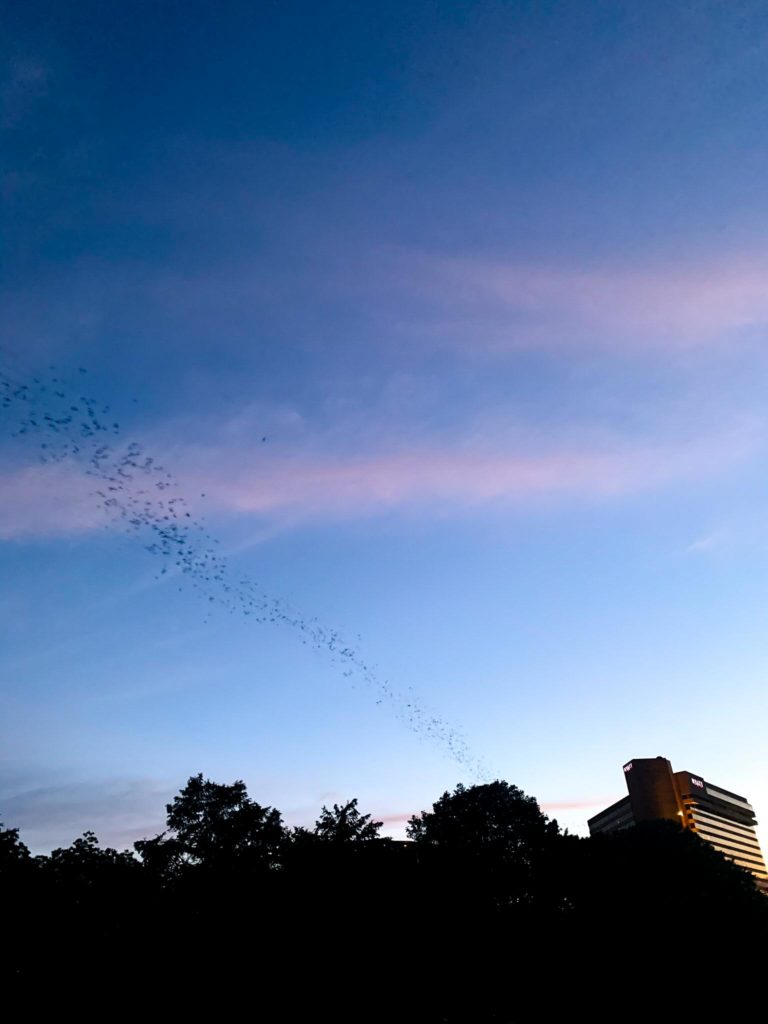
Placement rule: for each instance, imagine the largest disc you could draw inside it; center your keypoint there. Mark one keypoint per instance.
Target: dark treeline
(490, 912)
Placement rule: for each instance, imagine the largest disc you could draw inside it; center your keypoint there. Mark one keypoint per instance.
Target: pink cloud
(496, 302)
(60, 499)
(394, 819)
(460, 478)
(700, 302)
(577, 805)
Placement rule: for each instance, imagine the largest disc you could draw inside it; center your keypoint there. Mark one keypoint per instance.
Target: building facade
(724, 819)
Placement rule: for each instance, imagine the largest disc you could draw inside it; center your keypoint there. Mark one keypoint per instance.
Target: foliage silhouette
(345, 824)
(13, 853)
(211, 824)
(496, 818)
(488, 891)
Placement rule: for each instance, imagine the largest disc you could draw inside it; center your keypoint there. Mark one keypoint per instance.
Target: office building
(724, 819)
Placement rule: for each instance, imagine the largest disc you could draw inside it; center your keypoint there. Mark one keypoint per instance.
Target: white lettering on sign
(628, 767)
(698, 782)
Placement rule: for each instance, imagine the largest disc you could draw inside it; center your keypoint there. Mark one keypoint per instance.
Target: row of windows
(738, 801)
(753, 863)
(753, 852)
(745, 837)
(609, 824)
(727, 824)
(745, 843)
(618, 810)
(757, 872)
(738, 817)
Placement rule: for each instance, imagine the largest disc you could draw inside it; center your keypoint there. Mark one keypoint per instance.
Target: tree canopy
(496, 817)
(12, 851)
(210, 823)
(489, 887)
(345, 824)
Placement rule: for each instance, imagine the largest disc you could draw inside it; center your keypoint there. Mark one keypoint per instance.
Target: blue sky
(491, 280)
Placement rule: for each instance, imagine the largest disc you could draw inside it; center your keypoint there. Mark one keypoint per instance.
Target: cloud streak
(119, 811)
(297, 487)
(358, 485)
(495, 303)
(576, 805)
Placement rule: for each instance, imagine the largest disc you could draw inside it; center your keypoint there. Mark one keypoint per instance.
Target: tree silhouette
(22, 904)
(345, 824)
(85, 855)
(485, 850)
(496, 818)
(13, 853)
(211, 824)
(489, 887)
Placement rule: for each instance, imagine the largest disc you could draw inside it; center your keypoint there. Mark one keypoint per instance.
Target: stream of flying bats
(62, 423)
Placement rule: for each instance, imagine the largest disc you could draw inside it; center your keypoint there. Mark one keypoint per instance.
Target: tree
(13, 853)
(87, 872)
(86, 860)
(486, 849)
(496, 818)
(212, 824)
(345, 824)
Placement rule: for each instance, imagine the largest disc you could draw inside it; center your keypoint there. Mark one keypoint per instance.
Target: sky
(447, 321)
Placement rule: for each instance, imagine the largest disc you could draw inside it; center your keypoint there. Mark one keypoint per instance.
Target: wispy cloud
(300, 486)
(498, 304)
(576, 805)
(462, 478)
(434, 475)
(119, 811)
(742, 531)
(710, 541)
(392, 819)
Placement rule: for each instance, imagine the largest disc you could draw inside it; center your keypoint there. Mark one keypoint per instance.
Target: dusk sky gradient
(492, 282)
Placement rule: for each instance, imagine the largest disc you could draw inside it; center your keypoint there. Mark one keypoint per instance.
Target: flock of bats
(58, 421)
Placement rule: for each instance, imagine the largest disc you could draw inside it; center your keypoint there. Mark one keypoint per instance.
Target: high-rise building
(724, 819)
